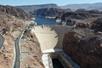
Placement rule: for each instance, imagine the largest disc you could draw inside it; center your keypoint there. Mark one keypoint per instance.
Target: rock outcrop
(17, 12)
(50, 12)
(85, 50)
(97, 25)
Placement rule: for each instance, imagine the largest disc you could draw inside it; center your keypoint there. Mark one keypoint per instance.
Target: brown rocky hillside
(17, 12)
(84, 47)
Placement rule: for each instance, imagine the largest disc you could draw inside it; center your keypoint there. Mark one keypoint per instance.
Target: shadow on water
(57, 63)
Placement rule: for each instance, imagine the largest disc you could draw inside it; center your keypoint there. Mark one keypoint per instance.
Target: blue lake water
(45, 21)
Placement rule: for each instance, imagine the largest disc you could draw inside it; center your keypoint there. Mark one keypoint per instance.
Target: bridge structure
(50, 39)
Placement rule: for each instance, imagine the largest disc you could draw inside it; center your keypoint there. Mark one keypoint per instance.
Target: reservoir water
(45, 21)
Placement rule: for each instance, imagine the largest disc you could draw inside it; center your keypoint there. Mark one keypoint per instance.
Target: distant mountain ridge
(32, 8)
(90, 6)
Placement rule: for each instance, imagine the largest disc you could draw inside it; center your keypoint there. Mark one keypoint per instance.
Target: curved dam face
(50, 37)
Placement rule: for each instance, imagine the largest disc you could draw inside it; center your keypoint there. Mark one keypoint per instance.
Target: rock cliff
(85, 49)
(17, 12)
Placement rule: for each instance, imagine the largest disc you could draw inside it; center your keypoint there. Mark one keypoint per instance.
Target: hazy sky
(33, 2)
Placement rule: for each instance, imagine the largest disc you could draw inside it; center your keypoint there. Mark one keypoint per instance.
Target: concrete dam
(50, 39)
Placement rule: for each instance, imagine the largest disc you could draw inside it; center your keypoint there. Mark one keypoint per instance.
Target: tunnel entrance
(57, 63)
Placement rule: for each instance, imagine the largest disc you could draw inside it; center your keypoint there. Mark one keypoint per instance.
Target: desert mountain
(32, 8)
(17, 12)
(90, 6)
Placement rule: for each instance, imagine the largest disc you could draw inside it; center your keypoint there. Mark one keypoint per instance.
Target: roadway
(17, 50)
(1, 41)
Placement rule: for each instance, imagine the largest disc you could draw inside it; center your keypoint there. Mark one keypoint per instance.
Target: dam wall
(50, 37)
